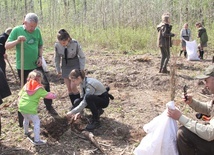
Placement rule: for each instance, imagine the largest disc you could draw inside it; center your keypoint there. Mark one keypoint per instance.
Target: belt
(71, 58)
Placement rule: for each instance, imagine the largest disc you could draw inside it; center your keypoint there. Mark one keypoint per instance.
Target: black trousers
(165, 56)
(3, 65)
(94, 103)
(45, 82)
(190, 144)
(4, 88)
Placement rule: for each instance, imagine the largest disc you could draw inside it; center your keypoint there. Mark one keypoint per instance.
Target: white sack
(44, 65)
(161, 136)
(191, 48)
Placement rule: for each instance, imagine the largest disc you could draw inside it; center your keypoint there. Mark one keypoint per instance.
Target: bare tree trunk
(6, 10)
(102, 10)
(66, 11)
(187, 14)
(65, 3)
(26, 9)
(32, 6)
(74, 3)
(85, 8)
(201, 12)
(40, 5)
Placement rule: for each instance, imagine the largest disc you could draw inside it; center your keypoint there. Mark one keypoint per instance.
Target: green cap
(207, 73)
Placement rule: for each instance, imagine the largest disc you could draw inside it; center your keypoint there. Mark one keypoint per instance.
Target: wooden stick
(22, 64)
(12, 70)
(173, 79)
(90, 136)
(10, 151)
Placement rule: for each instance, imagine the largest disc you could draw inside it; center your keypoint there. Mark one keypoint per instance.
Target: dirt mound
(54, 127)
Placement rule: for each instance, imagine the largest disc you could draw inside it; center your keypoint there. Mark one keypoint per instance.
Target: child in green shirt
(29, 98)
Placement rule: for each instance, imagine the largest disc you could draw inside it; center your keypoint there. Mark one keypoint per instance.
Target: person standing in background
(30, 35)
(202, 35)
(3, 55)
(70, 52)
(185, 34)
(164, 41)
(4, 90)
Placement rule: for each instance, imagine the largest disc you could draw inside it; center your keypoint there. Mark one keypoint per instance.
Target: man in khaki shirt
(194, 138)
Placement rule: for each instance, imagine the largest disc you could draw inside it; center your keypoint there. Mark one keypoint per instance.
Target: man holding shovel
(29, 46)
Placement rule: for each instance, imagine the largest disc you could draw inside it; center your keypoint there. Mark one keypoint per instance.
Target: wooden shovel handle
(22, 64)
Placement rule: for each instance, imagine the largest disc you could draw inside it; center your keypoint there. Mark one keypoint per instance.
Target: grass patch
(132, 41)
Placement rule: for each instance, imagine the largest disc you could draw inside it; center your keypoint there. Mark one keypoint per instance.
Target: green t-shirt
(31, 46)
(28, 104)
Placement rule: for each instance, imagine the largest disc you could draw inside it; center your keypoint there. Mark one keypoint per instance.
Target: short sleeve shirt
(31, 46)
(28, 104)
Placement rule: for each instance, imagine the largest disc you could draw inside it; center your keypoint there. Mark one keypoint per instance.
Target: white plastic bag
(161, 136)
(191, 48)
(44, 65)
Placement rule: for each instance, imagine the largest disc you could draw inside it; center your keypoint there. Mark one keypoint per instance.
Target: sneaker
(93, 125)
(27, 134)
(41, 142)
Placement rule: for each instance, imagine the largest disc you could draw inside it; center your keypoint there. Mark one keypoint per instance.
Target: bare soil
(140, 94)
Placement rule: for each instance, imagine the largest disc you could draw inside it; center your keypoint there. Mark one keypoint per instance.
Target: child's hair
(75, 73)
(63, 35)
(35, 75)
(198, 24)
(8, 30)
(185, 24)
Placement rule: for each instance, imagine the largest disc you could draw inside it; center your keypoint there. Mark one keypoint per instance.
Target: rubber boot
(21, 119)
(202, 54)
(164, 70)
(73, 97)
(160, 71)
(181, 52)
(199, 54)
(93, 125)
(185, 54)
(48, 104)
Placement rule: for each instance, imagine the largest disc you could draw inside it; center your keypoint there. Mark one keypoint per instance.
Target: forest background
(118, 38)
(122, 25)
